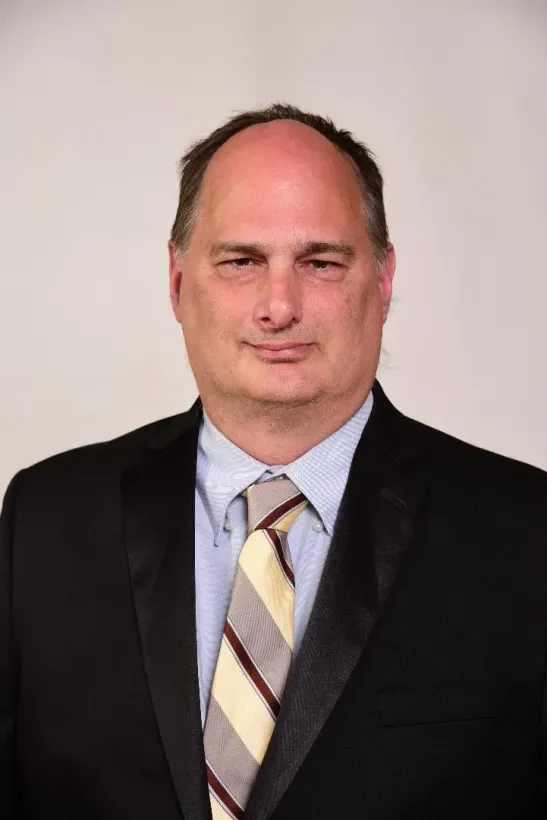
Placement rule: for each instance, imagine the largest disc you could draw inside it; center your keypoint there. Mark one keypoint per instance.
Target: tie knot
(274, 504)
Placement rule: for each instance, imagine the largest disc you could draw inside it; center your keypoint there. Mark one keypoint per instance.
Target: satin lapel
(374, 527)
(158, 499)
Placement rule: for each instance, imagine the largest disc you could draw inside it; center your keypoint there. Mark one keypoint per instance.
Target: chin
(282, 393)
(277, 384)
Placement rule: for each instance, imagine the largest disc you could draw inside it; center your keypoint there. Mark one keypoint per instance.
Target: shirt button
(317, 526)
(228, 525)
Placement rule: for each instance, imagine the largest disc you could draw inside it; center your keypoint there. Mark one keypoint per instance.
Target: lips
(281, 351)
(280, 345)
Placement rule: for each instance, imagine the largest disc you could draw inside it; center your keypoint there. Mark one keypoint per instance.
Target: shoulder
(454, 469)
(478, 482)
(448, 453)
(100, 461)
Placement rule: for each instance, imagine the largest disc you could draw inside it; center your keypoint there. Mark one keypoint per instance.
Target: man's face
(278, 294)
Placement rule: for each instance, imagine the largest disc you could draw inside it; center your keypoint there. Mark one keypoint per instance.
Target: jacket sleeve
(8, 686)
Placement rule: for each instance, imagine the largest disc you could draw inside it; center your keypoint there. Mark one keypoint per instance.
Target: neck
(278, 433)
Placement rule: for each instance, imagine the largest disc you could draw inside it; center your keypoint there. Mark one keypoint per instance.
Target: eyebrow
(342, 248)
(312, 248)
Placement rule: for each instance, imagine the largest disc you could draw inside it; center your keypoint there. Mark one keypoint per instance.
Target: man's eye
(243, 262)
(322, 264)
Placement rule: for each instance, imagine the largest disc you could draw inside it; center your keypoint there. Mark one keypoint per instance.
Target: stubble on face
(279, 186)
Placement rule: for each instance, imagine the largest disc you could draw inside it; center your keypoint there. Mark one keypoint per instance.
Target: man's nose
(279, 301)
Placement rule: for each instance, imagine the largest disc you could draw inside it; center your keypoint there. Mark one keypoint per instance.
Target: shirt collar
(224, 470)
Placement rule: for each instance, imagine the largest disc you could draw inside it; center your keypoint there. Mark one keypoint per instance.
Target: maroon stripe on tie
(251, 670)
(224, 797)
(280, 512)
(275, 541)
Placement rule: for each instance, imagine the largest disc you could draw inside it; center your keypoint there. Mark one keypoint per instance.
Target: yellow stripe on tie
(241, 704)
(258, 561)
(286, 523)
(219, 813)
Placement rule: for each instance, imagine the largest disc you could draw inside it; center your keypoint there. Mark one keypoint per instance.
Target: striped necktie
(256, 649)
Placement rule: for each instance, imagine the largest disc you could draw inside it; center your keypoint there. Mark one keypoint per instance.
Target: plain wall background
(99, 100)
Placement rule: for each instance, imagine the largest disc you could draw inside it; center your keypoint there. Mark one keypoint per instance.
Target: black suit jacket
(419, 688)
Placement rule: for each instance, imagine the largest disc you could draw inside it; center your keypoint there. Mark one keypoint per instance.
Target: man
(290, 601)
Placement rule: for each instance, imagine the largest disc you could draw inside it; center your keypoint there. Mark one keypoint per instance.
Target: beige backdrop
(99, 99)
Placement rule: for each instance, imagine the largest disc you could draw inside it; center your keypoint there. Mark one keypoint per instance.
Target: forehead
(278, 175)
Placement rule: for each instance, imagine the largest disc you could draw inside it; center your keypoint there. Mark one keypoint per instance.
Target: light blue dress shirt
(223, 472)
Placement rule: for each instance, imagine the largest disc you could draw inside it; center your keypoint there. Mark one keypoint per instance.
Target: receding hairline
(339, 152)
(194, 164)
(269, 128)
(277, 125)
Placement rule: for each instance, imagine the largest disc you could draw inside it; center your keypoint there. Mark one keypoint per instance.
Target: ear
(385, 279)
(175, 276)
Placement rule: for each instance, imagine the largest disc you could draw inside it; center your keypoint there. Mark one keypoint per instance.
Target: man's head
(280, 239)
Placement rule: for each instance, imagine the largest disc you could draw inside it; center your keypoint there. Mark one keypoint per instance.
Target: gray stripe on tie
(259, 633)
(265, 496)
(228, 755)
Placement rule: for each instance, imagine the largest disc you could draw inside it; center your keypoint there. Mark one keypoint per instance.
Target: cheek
(366, 310)
(198, 305)
(350, 317)
(212, 313)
